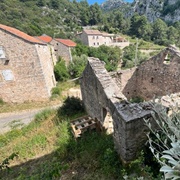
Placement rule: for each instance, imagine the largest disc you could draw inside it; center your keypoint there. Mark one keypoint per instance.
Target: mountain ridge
(167, 10)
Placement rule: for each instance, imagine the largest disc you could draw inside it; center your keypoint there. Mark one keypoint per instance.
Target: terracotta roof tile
(92, 32)
(67, 42)
(20, 34)
(45, 38)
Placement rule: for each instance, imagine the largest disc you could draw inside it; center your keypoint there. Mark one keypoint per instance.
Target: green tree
(60, 71)
(159, 34)
(95, 14)
(77, 66)
(40, 3)
(140, 27)
(172, 34)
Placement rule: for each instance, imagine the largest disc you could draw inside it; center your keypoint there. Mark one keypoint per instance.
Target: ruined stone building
(103, 95)
(63, 48)
(26, 67)
(95, 38)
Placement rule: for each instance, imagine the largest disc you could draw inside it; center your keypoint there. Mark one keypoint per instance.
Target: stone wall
(62, 51)
(100, 93)
(158, 76)
(24, 77)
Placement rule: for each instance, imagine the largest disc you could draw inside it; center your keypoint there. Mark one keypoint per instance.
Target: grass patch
(47, 150)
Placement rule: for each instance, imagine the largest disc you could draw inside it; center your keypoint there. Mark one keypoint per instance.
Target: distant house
(26, 67)
(63, 48)
(95, 38)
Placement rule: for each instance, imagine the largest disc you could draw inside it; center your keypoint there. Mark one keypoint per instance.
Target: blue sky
(101, 1)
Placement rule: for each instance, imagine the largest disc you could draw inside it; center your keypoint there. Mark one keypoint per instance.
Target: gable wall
(154, 78)
(62, 51)
(29, 83)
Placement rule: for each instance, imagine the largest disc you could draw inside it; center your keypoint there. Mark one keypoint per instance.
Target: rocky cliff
(168, 10)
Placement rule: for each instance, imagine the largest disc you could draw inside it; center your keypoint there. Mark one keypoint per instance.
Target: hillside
(64, 18)
(58, 18)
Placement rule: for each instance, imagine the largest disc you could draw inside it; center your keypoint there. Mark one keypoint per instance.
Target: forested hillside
(53, 17)
(63, 18)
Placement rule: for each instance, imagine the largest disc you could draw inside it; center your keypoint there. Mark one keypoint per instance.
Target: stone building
(95, 38)
(26, 67)
(156, 77)
(47, 39)
(63, 48)
(103, 94)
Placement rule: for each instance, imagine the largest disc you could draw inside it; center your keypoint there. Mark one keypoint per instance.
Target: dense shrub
(60, 71)
(77, 66)
(71, 106)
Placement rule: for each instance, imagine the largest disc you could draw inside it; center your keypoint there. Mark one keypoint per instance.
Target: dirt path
(24, 117)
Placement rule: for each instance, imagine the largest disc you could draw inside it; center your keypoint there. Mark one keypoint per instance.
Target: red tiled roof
(45, 38)
(20, 34)
(67, 42)
(107, 34)
(92, 32)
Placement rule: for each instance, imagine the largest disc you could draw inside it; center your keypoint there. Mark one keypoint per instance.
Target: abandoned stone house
(63, 48)
(60, 47)
(103, 94)
(95, 38)
(26, 67)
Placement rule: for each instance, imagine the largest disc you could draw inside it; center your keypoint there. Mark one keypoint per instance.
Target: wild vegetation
(46, 149)
(165, 142)
(63, 18)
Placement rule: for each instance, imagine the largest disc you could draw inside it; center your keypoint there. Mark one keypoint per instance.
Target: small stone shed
(103, 94)
(26, 67)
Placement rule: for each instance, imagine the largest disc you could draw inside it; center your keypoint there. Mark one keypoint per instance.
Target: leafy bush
(71, 106)
(166, 146)
(60, 71)
(77, 66)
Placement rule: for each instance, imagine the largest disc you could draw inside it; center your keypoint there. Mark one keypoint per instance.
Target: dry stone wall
(29, 67)
(62, 51)
(156, 77)
(100, 93)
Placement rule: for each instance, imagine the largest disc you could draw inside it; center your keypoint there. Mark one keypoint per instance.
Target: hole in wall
(167, 59)
(108, 121)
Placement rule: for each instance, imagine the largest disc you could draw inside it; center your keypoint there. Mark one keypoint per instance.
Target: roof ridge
(20, 34)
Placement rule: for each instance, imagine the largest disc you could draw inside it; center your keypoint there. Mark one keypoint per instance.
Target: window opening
(167, 59)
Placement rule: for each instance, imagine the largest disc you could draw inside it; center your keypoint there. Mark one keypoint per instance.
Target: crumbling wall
(100, 92)
(158, 76)
(97, 89)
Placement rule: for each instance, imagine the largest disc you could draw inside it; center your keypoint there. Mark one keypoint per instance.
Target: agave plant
(166, 144)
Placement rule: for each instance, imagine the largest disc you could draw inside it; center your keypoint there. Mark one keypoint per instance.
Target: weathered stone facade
(156, 77)
(26, 72)
(63, 48)
(100, 95)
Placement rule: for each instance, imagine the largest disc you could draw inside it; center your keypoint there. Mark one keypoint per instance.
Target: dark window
(152, 79)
